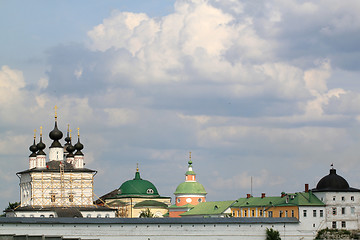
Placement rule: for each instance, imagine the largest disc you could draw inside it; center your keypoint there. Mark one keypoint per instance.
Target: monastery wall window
(305, 213)
(253, 213)
(292, 213)
(261, 213)
(334, 211)
(334, 198)
(352, 198)
(343, 224)
(321, 213)
(314, 213)
(281, 214)
(334, 224)
(343, 210)
(343, 198)
(245, 213)
(286, 213)
(270, 214)
(352, 210)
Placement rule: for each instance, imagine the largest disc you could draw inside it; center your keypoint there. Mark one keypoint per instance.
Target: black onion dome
(79, 146)
(67, 139)
(68, 142)
(55, 134)
(333, 183)
(70, 149)
(33, 149)
(40, 146)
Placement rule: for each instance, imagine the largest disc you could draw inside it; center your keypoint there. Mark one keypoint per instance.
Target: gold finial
(137, 167)
(78, 132)
(70, 133)
(34, 134)
(68, 127)
(189, 162)
(55, 112)
(40, 131)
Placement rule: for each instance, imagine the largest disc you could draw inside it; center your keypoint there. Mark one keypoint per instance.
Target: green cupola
(137, 187)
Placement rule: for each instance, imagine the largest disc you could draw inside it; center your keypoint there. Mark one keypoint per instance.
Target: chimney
(248, 195)
(262, 195)
(306, 187)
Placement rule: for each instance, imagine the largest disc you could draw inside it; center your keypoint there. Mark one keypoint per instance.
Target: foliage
(13, 205)
(272, 234)
(146, 214)
(336, 234)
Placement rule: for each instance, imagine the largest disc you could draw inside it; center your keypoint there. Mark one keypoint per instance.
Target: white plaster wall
(25, 189)
(56, 154)
(159, 231)
(339, 200)
(310, 221)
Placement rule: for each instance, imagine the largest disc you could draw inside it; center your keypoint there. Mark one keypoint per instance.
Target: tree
(146, 214)
(272, 234)
(13, 205)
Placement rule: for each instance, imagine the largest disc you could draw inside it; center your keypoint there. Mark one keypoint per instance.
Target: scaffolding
(62, 188)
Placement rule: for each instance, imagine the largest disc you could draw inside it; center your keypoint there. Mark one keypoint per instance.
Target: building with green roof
(135, 196)
(210, 209)
(286, 205)
(188, 194)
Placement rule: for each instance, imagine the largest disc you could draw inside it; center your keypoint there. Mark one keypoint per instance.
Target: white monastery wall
(111, 229)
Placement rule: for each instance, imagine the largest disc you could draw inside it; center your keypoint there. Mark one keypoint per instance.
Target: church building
(136, 196)
(187, 194)
(59, 186)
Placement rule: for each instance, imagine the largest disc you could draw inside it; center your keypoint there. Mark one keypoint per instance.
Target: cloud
(11, 83)
(273, 83)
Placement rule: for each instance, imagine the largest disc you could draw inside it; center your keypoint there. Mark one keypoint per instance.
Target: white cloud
(11, 83)
(120, 116)
(43, 83)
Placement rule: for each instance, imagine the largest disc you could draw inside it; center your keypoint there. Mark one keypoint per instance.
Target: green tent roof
(137, 187)
(209, 208)
(190, 188)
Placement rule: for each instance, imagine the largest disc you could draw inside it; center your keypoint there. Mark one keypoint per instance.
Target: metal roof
(252, 220)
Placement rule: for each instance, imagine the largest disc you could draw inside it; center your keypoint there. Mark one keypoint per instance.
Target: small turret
(67, 140)
(32, 157)
(70, 149)
(190, 191)
(79, 156)
(40, 155)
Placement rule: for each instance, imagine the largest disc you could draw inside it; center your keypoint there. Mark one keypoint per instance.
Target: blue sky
(265, 89)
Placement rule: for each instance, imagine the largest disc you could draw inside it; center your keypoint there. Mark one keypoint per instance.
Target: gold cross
(137, 167)
(34, 133)
(78, 132)
(40, 131)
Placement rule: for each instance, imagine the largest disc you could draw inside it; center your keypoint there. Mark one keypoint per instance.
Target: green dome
(138, 187)
(190, 188)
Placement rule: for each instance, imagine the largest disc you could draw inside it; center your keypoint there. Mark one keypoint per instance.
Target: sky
(265, 94)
